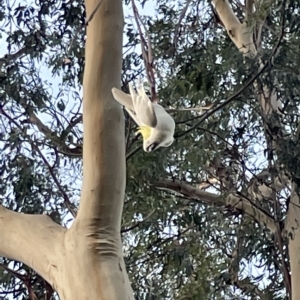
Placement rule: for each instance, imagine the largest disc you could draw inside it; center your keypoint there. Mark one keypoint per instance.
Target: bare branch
(284, 267)
(44, 129)
(147, 53)
(242, 37)
(130, 154)
(182, 14)
(12, 57)
(199, 109)
(262, 188)
(259, 187)
(90, 18)
(231, 200)
(53, 137)
(87, 21)
(229, 100)
(265, 102)
(260, 23)
(73, 122)
(22, 277)
(68, 204)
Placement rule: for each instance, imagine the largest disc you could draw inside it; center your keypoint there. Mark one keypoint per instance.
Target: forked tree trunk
(86, 261)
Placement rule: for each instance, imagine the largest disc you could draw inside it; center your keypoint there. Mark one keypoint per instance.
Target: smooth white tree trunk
(292, 227)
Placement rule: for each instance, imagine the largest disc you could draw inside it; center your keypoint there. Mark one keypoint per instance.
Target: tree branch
(69, 205)
(236, 201)
(182, 14)
(239, 33)
(242, 37)
(262, 188)
(269, 102)
(147, 53)
(292, 230)
(32, 239)
(137, 224)
(53, 137)
(226, 102)
(8, 58)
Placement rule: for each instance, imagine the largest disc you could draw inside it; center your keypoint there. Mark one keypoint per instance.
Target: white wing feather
(138, 106)
(126, 101)
(143, 107)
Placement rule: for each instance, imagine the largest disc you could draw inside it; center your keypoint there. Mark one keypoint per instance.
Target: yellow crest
(145, 131)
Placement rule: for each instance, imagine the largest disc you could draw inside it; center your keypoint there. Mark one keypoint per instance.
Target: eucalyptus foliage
(175, 247)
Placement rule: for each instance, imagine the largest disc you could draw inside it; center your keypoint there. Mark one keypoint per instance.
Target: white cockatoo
(155, 124)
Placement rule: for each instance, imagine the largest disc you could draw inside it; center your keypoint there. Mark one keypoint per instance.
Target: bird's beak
(152, 147)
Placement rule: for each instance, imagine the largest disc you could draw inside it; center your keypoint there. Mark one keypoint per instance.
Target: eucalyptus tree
(214, 216)
(86, 260)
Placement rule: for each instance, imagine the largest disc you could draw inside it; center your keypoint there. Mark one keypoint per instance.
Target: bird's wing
(143, 107)
(166, 122)
(126, 101)
(122, 98)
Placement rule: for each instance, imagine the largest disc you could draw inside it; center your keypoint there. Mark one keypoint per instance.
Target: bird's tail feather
(141, 90)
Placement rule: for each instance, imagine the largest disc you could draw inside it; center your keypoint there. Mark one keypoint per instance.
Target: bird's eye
(152, 147)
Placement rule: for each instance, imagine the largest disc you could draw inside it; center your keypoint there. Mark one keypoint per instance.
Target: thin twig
(230, 99)
(137, 224)
(67, 201)
(130, 154)
(147, 53)
(87, 21)
(90, 18)
(66, 198)
(127, 137)
(13, 272)
(182, 14)
(198, 108)
(249, 82)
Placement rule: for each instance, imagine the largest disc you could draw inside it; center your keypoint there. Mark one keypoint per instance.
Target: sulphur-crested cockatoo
(155, 124)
